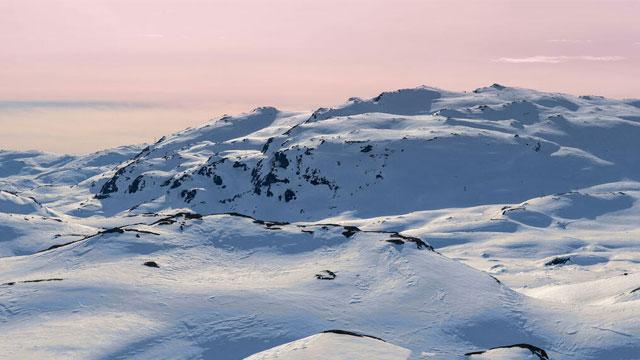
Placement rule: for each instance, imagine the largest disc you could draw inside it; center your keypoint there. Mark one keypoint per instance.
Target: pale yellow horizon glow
(199, 59)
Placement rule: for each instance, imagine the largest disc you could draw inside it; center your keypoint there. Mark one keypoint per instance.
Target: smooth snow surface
(443, 223)
(334, 346)
(506, 354)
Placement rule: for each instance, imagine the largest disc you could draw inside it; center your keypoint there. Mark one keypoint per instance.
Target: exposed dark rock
(141, 153)
(395, 241)
(540, 353)
(217, 180)
(152, 264)
(137, 184)
(177, 182)
(111, 185)
(141, 232)
(561, 260)
(289, 195)
(271, 178)
(349, 231)
(351, 333)
(31, 281)
(280, 160)
(274, 223)
(419, 243)
(238, 164)
(59, 245)
(326, 275)
(231, 199)
(259, 182)
(164, 222)
(239, 215)
(366, 149)
(313, 177)
(205, 171)
(537, 147)
(188, 195)
(265, 147)
(115, 230)
(188, 215)
(209, 169)
(171, 219)
(41, 280)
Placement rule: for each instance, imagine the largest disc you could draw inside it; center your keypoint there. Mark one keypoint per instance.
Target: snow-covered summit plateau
(501, 223)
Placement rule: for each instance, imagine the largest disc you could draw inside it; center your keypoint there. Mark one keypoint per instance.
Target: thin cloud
(557, 59)
(569, 41)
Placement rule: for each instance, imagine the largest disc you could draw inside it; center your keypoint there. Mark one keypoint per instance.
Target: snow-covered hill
(332, 345)
(410, 150)
(498, 223)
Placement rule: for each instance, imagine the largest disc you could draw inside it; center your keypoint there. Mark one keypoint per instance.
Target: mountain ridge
(192, 164)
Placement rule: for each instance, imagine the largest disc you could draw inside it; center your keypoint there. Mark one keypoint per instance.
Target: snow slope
(13, 203)
(334, 346)
(229, 286)
(256, 233)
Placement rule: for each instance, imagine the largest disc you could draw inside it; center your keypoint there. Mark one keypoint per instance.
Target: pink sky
(213, 57)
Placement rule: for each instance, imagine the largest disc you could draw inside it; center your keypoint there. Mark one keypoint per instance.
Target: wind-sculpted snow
(13, 203)
(230, 286)
(418, 224)
(22, 170)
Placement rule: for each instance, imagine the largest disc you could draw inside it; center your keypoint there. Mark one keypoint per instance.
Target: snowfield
(500, 223)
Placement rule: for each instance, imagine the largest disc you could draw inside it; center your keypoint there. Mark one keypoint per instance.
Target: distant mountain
(401, 151)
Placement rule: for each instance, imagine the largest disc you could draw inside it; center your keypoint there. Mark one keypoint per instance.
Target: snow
(12, 203)
(506, 354)
(530, 199)
(334, 346)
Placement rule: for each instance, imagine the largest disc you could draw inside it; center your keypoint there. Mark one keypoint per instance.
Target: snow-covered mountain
(410, 150)
(421, 223)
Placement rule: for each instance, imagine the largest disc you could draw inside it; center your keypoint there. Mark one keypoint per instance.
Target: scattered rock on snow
(351, 333)
(326, 275)
(31, 281)
(561, 260)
